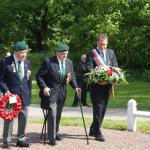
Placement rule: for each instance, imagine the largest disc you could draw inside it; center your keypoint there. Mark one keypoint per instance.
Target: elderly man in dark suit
(15, 73)
(52, 78)
(100, 93)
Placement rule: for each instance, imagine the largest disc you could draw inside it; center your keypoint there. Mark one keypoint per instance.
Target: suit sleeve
(30, 80)
(42, 72)
(114, 59)
(73, 82)
(80, 67)
(89, 62)
(3, 85)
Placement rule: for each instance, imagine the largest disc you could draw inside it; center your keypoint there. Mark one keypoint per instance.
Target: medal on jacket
(28, 74)
(13, 67)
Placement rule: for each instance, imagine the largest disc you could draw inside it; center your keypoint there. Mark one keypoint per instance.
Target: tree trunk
(39, 39)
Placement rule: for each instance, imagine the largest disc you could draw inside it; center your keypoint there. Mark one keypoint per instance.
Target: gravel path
(74, 139)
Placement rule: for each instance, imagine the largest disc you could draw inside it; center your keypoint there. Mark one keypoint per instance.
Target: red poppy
(109, 72)
(9, 111)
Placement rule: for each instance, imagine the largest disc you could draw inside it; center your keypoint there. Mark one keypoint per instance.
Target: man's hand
(78, 91)
(47, 91)
(69, 77)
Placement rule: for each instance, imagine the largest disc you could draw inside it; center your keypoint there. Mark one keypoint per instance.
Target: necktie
(63, 71)
(102, 54)
(20, 71)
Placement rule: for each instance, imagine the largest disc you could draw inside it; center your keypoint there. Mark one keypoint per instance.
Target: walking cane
(79, 98)
(44, 128)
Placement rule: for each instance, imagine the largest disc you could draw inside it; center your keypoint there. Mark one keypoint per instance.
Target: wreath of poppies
(9, 111)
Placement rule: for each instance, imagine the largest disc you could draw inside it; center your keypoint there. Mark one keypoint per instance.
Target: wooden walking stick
(79, 98)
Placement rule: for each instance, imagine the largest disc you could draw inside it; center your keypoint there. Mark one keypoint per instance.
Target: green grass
(35, 93)
(140, 91)
(142, 126)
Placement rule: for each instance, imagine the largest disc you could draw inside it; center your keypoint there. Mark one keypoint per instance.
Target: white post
(131, 118)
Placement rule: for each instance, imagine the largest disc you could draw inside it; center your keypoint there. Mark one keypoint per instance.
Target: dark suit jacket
(9, 79)
(110, 60)
(81, 70)
(49, 76)
(97, 90)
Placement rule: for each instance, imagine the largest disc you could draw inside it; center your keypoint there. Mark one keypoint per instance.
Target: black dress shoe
(52, 143)
(91, 133)
(99, 137)
(22, 144)
(6, 146)
(74, 105)
(58, 137)
(86, 105)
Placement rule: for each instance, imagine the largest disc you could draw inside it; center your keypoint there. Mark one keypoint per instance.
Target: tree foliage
(78, 22)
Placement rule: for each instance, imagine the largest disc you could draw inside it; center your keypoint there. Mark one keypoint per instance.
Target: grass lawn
(140, 91)
(142, 126)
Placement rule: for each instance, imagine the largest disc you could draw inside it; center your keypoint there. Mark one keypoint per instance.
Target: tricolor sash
(98, 59)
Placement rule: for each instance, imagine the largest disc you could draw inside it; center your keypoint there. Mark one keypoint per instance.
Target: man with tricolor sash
(99, 57)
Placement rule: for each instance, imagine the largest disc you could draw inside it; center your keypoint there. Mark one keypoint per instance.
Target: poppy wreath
(105, 75)
(9, 111)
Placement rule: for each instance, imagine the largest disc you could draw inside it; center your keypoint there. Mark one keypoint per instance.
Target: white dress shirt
(60, 61)
(16, 62)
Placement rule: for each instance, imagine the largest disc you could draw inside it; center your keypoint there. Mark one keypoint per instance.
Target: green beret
(21, 46)
(61, 47)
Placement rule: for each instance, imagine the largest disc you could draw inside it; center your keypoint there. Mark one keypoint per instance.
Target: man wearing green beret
(15, 78)
(52, 78)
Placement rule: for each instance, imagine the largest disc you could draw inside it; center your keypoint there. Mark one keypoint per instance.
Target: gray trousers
(54, 116)
(8, 126)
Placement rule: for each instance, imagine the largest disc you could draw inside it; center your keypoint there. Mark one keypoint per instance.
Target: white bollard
(131, 118)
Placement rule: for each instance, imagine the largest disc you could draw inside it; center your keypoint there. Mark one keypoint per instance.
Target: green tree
(134, 36)
(78, 22)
